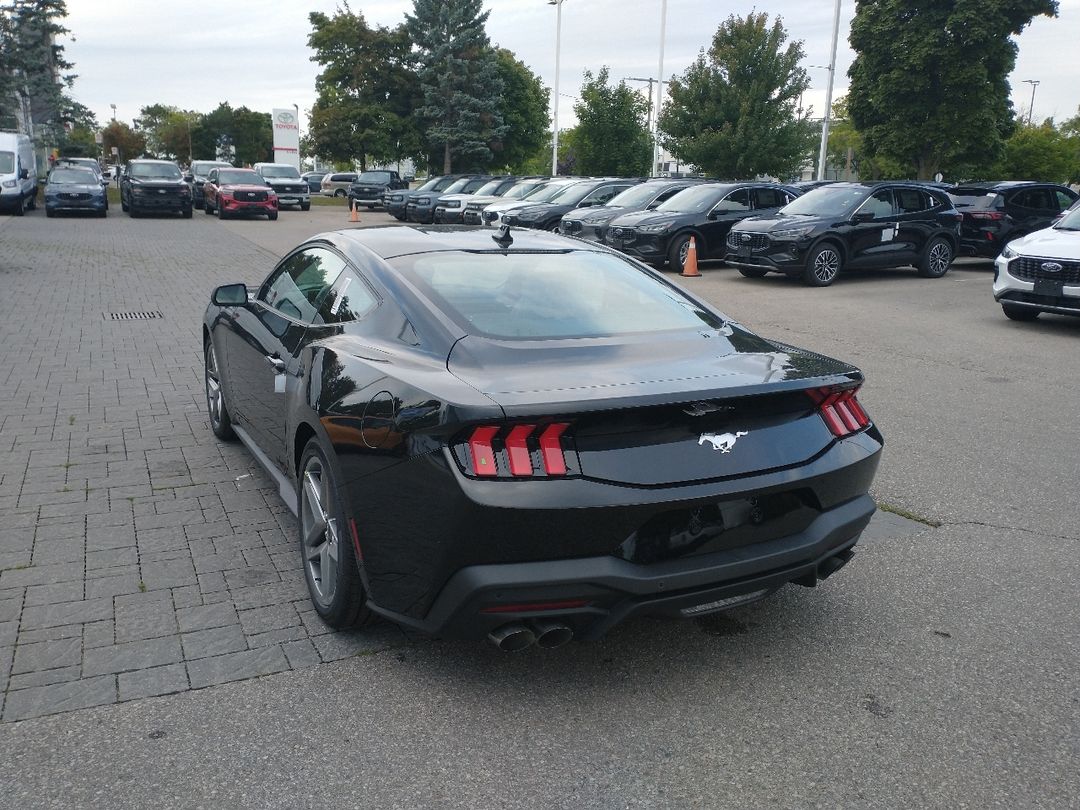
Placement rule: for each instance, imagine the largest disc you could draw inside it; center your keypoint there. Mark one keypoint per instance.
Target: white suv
(1040, 272)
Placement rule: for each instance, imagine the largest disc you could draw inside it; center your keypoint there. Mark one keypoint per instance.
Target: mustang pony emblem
(724, 442)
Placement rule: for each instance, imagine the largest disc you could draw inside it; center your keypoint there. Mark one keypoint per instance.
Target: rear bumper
(614, 589)
(986, 248)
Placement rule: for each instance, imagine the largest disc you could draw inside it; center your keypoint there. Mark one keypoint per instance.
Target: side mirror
(863, 217)
(230, 295)
(713, 214)
(24, 173)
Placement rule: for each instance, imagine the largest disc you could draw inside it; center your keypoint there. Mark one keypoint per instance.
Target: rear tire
(753, 272)
(1015, 313)
(822, 265)
(326, 549)
(339, 193)
(936, 259)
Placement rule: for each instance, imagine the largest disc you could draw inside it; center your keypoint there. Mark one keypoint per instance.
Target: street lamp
(1034, 83)
(555, 91)
(828, 95)
(659, 91)
(113, 111)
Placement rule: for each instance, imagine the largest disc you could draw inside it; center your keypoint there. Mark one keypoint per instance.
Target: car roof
(1001, 185)
(388, 241)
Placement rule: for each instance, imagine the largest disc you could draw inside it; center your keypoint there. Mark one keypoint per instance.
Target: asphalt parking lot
(156, 645)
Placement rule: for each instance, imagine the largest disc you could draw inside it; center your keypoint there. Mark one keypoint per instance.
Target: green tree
(929, 83)
(131, 144)
(844, 139)
(612, 134)
(524, 110)
(246, 134)
(367, 91)
(168, 131)
(735, 111)
(460, 81)
(32, 65)
(1040, 152)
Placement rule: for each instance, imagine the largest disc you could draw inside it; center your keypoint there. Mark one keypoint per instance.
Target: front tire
(822, 265)
(677, 251)
(305, 206)
(187, 212)
(221, 211)
(326, 550)
(123, 204)
(936, 259)
(1015, 313)
(272, 216)
(49, 212)
(218, 410)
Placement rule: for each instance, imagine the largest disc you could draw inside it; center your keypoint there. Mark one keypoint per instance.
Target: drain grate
(133, 316)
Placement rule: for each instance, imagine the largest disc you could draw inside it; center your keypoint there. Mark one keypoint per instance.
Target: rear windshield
(529, 296)
(65, 176)
(155, 171)
(827, 201)
(279, 171)
(373, 177)
(240, 176)
(973, 198)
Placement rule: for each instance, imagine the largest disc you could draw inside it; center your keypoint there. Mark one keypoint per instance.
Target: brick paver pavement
(139, 556)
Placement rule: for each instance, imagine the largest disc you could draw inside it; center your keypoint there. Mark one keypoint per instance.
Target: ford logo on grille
(745, 237)
(1051, 267)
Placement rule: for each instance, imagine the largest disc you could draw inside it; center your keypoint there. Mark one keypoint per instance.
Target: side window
(1035, 198)
(1063, 199)
(212, 177)
(296, 286)
(911, 201)
(879, 204)
(738, 200)
(350, 299)
(666, 195)
(767, 198)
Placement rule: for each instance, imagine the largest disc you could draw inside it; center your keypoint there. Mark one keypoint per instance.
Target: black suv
(370, 187)
(153, 186)
(421, 207)
(850, 225)
(995, 213)
(706, 211)
(196, 177)
(395, 202)
(585, 194)
(591, 223)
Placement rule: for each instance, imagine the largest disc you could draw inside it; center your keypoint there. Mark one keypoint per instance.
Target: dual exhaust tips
(519, 635)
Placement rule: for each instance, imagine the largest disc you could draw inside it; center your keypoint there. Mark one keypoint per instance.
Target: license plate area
(1050, 287)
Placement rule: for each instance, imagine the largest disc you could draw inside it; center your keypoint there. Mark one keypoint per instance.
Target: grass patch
(142, 587)
(71, 420)
(900, 511)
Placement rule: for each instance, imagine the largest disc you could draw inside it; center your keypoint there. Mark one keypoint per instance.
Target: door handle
(277, 363)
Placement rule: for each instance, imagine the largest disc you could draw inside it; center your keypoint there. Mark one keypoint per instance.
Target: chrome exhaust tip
(512, 637)
(550, 635)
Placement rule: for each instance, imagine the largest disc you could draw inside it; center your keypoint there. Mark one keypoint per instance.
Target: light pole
(1031, 110)
(828, 96)
(113, 111)
(299, 162)
(555, 91)
(659, 91)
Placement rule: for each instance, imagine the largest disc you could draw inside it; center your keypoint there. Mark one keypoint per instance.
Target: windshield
(522, 190)
(280, 171)
(155, 171)
(572, 195)
(1070, 221)
(694, 200)
(430, 184)
(70, 176)
(373, 177)
(458, 185)
(203, 167)
(489, 188)
(7, 162)
(827, 201)
(531, 296)
(240, 176)
(545, 193)
(636, 196)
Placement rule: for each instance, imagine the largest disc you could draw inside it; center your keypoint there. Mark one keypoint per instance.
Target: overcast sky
(195, 54)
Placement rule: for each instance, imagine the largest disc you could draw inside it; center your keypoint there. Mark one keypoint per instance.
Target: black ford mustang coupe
(531, 438)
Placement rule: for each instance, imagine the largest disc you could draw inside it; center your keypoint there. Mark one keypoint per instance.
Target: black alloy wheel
(936, 259)
(326, 548)
(1015, 313)
(678, 251)
(218, 410)
(822, 265)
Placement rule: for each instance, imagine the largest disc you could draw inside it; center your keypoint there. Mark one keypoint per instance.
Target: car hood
(485, 200)
(243, 187)
(1050, 243)
(508, 205)
(602, 373)
(80, 188)
(779, 222)
(156, 181)
(597, 212)
(636, 219)
(448, 197)
(286, 181)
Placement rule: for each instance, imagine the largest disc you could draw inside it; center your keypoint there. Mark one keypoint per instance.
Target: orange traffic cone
(354, 215)
(689, 268)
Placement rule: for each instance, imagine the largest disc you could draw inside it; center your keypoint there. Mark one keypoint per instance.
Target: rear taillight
(991, 215)
(840, 410)
(518, 451)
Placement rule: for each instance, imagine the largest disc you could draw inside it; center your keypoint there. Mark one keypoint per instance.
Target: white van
(286, 181)
(18, 174)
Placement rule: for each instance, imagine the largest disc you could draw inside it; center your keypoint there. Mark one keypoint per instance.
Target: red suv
(232, 192)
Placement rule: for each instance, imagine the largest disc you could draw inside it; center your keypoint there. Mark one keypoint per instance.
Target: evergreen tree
(459, 79)
(735, 112)
(32, 65)
(929, 84)
(612, 134)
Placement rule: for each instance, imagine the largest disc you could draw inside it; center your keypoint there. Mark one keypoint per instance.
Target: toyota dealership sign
(286, 137)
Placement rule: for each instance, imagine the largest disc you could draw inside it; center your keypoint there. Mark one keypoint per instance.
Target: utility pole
(1031, 110)
(828, 96)
(555, 90)
(660, 90)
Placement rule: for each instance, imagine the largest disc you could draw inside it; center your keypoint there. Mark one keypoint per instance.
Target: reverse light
(840, 410)
(521, 451)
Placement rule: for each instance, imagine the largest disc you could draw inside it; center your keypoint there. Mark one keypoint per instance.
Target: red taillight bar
(840, 410)
(518, 451)
(551, 449)
(483, 456)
